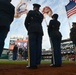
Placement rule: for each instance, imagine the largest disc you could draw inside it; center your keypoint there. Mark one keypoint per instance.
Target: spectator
(15, 49)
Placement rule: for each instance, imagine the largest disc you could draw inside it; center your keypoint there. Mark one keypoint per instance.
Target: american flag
(71, 8)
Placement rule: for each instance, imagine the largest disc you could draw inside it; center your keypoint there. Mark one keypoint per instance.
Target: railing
(48, 55)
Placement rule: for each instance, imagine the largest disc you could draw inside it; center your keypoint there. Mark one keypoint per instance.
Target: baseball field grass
(2, 61)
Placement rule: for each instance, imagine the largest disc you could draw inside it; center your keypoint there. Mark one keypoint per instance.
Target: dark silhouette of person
(73, 33)
(25, 54)
(6, 18)
(20, 53)
(33, 24)
(15, 50)
(73, 37)
(55, 39)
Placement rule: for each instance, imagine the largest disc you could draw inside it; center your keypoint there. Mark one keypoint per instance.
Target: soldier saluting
(55, 39)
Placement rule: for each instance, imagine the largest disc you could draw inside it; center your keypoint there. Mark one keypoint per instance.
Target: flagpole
(28, 52)
(68, 22)
(69, 25)
(70, 9)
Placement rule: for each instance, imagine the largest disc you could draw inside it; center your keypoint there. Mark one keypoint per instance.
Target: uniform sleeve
(27, 20)
(41, 17)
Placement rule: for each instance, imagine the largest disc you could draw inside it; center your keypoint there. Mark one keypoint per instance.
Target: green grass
(70, 62)
(25, 62)
(64, 62)
(12, 62)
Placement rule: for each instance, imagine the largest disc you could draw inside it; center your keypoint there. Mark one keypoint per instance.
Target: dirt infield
(66, 69)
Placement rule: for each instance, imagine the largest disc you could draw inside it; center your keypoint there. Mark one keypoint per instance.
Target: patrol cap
(36, 5)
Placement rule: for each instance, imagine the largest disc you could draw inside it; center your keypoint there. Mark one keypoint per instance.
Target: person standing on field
(33, 24)
(55, 40)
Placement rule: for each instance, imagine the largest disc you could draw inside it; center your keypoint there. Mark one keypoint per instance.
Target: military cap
(9, 0)
(55, 16)
(36, 5)
(74, 23)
